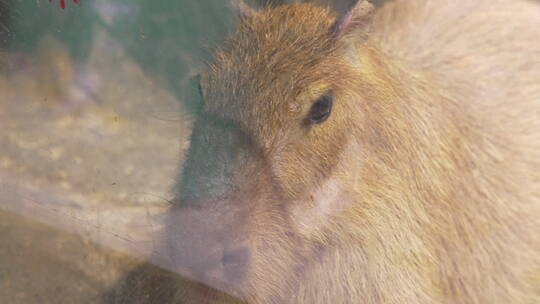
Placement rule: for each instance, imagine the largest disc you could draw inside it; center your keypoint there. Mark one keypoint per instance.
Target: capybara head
(322, 170)
(267, 169)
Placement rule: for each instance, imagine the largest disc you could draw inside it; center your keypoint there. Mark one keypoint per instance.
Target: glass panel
(95, 102)
(304, 163)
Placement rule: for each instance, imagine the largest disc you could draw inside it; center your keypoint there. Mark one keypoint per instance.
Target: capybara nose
(235, 257)
(234, 263)
(225, 266)
(205, 247)
(229, 266)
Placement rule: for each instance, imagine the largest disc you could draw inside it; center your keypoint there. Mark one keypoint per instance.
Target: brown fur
(422, 187)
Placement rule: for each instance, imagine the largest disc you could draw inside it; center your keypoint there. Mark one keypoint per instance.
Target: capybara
(378, 155)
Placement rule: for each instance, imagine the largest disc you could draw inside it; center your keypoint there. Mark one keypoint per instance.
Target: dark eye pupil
(197, 80)
(320, 111)
(199, 88)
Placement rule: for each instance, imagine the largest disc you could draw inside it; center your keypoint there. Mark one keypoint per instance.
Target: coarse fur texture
(423, 186)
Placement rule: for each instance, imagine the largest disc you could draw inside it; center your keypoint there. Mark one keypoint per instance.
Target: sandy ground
(89, 153)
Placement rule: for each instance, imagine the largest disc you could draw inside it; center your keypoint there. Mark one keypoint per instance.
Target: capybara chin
(379, 155)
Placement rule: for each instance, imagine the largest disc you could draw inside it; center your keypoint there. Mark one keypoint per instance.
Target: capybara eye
(321, 109)
(199, 87)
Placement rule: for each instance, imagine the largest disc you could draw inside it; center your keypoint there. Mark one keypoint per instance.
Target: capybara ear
(278, 2)
(241, 9)
(355, 20)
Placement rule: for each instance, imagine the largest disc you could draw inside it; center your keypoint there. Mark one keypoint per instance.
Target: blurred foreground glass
(95, 100)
